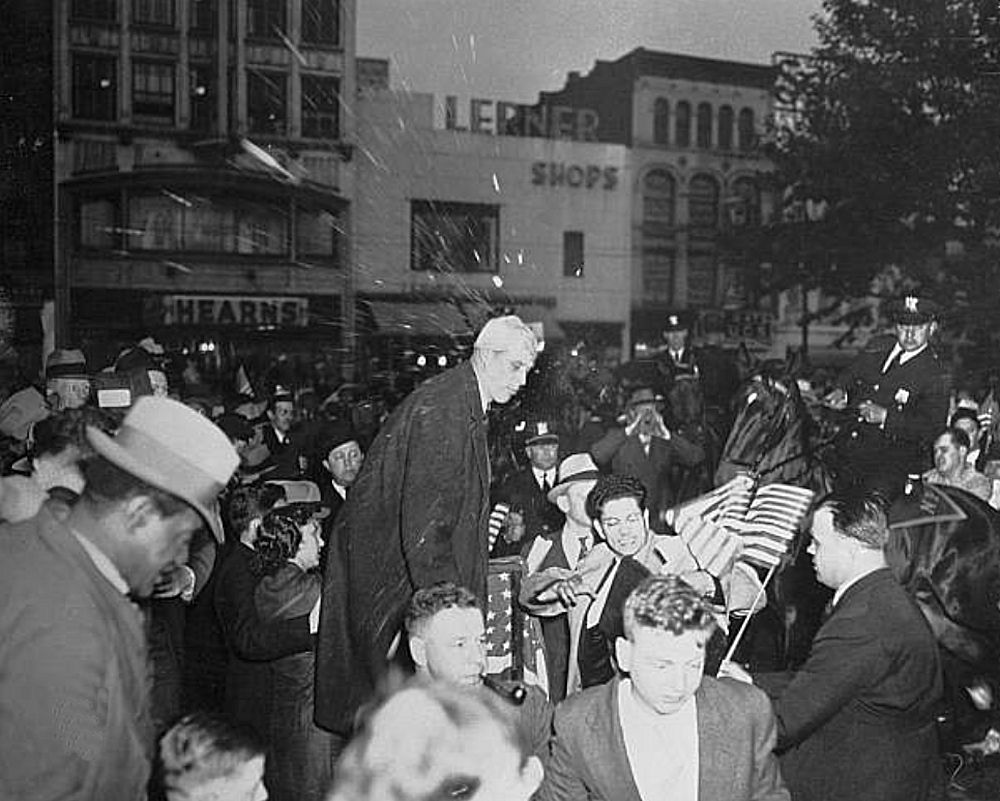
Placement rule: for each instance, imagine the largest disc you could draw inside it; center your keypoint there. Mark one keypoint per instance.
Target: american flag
(503, 585)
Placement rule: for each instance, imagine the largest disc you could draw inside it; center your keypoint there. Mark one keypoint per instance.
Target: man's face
(830, 550)
(281, 415)
(914, 337)
(455, 646)
(647, 409)
(68, 393)
(676, 339)
(574, 503)
(665, 668)
(971, 429)
(623, 525)
(504, 373)
(344, 463)
(543, 455)
(153, 544)
(948, 457)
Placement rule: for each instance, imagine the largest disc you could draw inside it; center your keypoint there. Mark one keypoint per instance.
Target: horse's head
(768, 430)
(686, 400)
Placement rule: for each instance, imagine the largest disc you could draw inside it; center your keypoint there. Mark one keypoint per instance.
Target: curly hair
(204, 746)
(68, 428)
(277, 540)
(666, 603)
(611, 488)
(428, 601)
(427, 742)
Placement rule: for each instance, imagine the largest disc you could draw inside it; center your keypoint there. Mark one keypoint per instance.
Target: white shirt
(662, 749)
(572, 546)
(904, 356)
(848, 584)
(540, 475)
(340, 489)
(104, 565)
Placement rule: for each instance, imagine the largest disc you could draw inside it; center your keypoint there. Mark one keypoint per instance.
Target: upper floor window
(203, 96)
(704, 129)
(321, 21)
(320, 107)
(703, 202)
(202, 15)
(661, 121)
(746, 203)
(95, 87)
(747, 134)
(153, 12)
(725, 139)
(95, 10)
(658, 197)
(682, 124)
(153, 90)
(266, 101)
(454, 237)
(266, 19)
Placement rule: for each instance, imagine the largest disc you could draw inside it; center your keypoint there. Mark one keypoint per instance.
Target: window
(203, 97)
(153, 91)
(95, 87)
(454, 237)
(657, 274)
(266, 19)
(96, 223)
(746, 203)
(266, 101)
(747, 135)
(703, 202)
(661, 121)
(726, 128)
(95, 10)
(573, 254)
(317, 233)
(701, 278)
(202, 16)
(321, 21)
(704, 130)
(320, 107)
(682, 133)
(658, 193)
(153, 12)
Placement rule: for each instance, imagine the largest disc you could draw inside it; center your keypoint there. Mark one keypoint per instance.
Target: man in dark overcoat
(858, 720)
(416, 515)
(900, 391)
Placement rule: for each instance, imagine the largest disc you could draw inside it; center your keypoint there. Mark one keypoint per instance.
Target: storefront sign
(557, 173)
(250, 310)
(500, 118)
(754, 328)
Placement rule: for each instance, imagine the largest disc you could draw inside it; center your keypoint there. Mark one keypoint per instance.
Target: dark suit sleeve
(685, 451)
(606, 447)
(248, 636)
(563, 780)
(842, 662)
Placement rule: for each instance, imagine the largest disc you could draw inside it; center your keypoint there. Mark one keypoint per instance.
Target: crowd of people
(296, 609)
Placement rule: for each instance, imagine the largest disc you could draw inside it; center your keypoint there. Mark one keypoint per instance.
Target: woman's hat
(173, 448)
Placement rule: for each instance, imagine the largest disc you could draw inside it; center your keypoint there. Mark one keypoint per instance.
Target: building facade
(201, 172)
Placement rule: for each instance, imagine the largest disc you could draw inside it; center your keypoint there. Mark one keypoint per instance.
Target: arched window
(725, 140)
(682, 124)
(747, 135)
(704, 130)
(659, 193)
(703, 202)
(746, 203)
(661, 121)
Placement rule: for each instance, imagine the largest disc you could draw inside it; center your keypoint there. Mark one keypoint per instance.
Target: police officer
(899, 390)
(678, 358)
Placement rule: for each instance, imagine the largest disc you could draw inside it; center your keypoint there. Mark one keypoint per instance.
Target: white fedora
(575, 467)
(173, 448)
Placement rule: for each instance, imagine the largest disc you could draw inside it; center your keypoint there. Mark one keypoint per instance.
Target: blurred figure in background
(67, 382)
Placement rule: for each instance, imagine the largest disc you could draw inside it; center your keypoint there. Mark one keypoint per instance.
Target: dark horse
(944, 546)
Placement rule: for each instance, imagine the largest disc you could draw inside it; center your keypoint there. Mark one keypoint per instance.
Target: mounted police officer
(899, 389)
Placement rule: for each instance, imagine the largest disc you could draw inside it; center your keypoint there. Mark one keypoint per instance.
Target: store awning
(418, 319)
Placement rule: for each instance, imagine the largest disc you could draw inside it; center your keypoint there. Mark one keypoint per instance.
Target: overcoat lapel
(477, 422)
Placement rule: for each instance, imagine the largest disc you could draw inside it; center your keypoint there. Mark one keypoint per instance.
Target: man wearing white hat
(73, 671)
(417, 514)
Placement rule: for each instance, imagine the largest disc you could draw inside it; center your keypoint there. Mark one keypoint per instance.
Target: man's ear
(623, 654)
(418, 651)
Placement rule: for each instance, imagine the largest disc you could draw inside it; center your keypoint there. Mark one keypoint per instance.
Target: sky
(512, 49)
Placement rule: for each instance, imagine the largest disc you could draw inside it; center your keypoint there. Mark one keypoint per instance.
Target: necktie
(546, 486)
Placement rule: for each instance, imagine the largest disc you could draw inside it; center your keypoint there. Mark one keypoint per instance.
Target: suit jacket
(858, 720)
(736, 735)
(627, 457)
(916, 394)
(74, 695)
(523, 494)
(283, 458)
(417, 514)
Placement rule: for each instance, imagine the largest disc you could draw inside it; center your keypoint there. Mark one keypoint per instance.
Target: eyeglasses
(612, 523)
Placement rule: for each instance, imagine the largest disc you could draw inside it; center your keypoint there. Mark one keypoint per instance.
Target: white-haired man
(416, 515)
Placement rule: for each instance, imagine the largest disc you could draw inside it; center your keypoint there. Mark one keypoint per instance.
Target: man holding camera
(648, 450)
